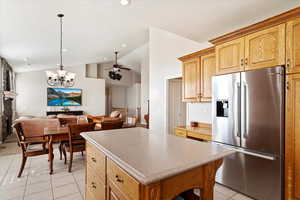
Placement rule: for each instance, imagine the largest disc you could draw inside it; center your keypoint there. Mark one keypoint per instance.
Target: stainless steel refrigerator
(248, 116)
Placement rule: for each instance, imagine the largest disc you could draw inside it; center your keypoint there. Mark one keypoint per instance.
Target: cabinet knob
(246, 61)
(118, 178)
(94, 159)
(93, 184)
(242, 62)
(288, 61)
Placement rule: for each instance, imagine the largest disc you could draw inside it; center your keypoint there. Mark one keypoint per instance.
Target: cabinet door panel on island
(113, 193)
(265, 48)
(229, 56)
(293, 46)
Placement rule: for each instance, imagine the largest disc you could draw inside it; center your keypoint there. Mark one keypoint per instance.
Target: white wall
(199, 112)
(138, 60)
(144, 83)
(133, 94)
(31, 88)
(164, 49)
(118, 96)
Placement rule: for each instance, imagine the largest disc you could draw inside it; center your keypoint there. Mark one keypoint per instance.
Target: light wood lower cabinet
(292, 138)
(94, 184)
(119, 185)
(113, 192)
(95, 174)
(293, 46)
(180, 132)
(124, 182)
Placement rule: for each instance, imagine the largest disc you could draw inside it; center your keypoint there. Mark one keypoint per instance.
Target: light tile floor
(37, 184)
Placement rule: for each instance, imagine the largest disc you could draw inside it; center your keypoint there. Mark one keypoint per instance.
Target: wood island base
(106, 180)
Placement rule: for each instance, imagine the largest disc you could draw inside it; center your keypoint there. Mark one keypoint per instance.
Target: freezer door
(226, 109)
(262, 110)
(253, 176)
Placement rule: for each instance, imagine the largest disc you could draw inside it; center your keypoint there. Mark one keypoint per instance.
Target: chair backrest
(82, 119)
(19, 132)
(76, 129)
(65, 120)
(123, 112)
(131, 121)
(33, 129)
(111, 124)
(115, 114)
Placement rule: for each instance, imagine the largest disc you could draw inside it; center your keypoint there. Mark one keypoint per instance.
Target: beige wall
(31, 90)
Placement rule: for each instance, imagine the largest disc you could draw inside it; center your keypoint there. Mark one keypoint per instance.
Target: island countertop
(150, 156)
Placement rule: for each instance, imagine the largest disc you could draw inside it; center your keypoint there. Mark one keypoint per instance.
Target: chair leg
(60, 151)
(65, 154)
(82, 153)
(24, 158)
(71, 160)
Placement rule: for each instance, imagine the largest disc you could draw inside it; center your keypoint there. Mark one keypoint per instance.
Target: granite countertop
(150, 156)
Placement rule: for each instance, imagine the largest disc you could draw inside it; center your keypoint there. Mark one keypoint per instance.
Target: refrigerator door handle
(245, 108)
(237, 120)
(240, 150)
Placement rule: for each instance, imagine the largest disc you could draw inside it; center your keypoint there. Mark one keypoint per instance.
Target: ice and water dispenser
(222, 108)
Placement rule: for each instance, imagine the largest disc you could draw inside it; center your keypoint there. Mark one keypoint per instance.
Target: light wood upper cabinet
(208, 70)
(197, 71)
(293, 46)
(229, 56)
(292, 138)
(191, 80)
(265, 48)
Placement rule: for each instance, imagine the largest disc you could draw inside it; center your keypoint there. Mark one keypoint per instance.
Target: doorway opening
(176, 108)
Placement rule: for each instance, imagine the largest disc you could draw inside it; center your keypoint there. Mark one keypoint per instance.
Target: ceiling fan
(116, 67)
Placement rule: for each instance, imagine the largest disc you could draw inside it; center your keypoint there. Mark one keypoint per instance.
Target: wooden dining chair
(26, 143)
(112, 124)
(64, 121)
(76, 142)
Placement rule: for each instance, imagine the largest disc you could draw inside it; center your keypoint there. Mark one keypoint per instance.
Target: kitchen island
(140, 164)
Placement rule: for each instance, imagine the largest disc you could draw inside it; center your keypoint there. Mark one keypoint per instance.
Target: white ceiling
(94, 28)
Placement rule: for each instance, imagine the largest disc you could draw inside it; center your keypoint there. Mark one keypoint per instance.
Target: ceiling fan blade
(125, 68)
(117, 66)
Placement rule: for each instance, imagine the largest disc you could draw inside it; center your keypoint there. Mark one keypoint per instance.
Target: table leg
(51, 155)
(210, 170)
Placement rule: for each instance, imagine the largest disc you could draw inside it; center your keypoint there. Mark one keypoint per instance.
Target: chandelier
(61, 77)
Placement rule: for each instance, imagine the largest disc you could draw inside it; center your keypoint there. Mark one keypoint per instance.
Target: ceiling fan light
(124, 2)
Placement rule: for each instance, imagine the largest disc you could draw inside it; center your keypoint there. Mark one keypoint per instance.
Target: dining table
(54, 134)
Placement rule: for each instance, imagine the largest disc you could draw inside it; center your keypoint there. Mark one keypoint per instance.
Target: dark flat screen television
(64, 97)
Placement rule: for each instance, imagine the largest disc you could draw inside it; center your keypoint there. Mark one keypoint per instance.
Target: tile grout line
(25, 188)
(51, 186)
(6, 171)
(78, 187)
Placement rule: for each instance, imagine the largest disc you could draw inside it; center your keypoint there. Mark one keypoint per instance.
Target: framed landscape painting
(64, 97)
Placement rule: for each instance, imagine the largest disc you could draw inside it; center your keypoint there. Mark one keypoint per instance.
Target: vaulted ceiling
(94, 28)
